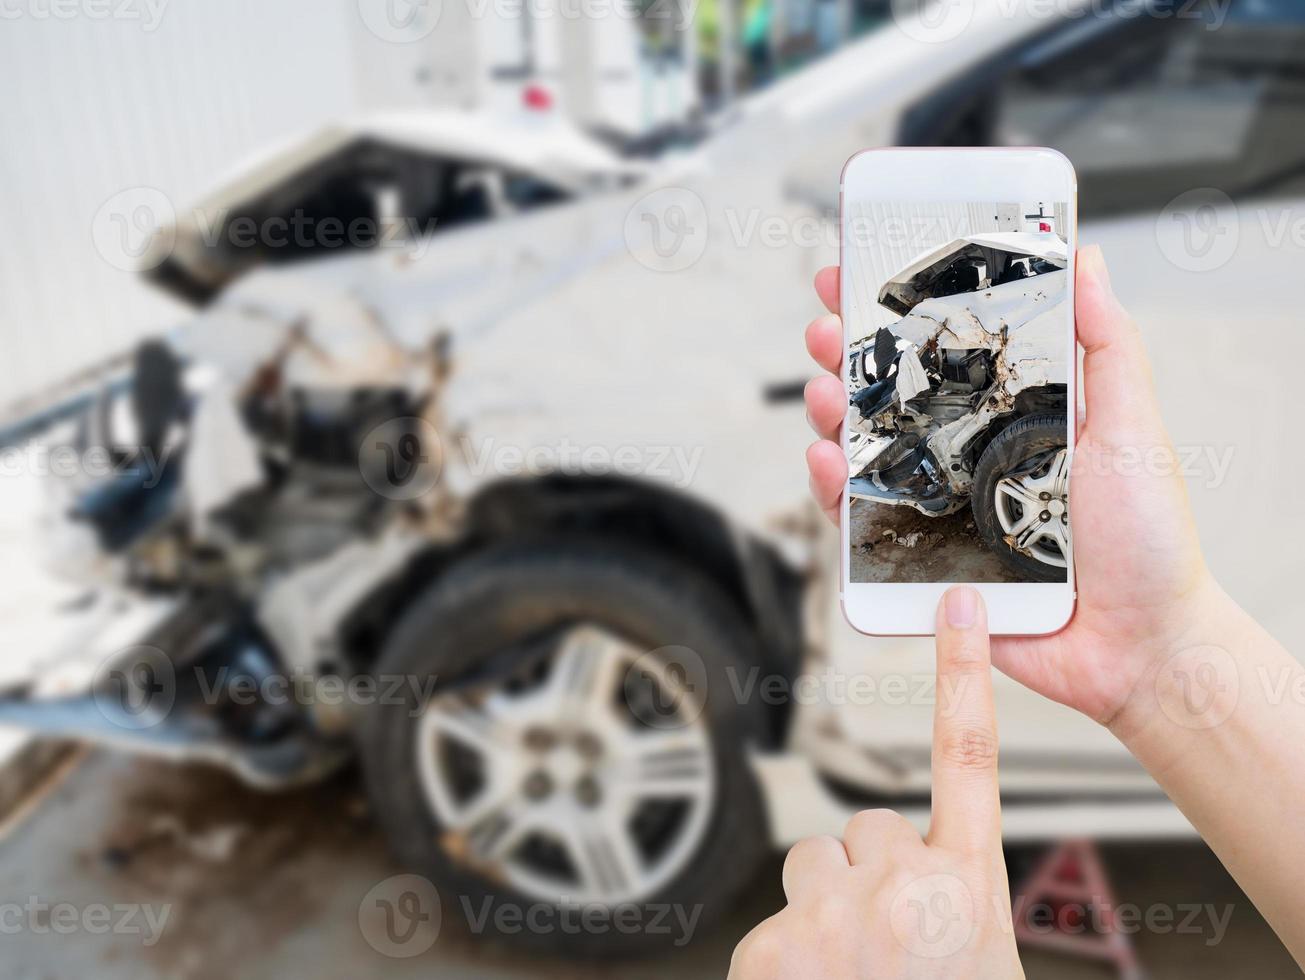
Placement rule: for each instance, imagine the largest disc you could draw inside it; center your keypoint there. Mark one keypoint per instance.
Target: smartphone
(960, 362)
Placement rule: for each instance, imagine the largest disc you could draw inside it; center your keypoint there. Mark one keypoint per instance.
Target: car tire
(478, 625)
(1020, 442)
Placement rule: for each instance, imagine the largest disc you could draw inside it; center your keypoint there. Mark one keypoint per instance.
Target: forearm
(1220, 724)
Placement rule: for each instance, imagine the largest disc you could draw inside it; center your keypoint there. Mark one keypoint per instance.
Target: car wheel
(578, 744)
(1020, 497)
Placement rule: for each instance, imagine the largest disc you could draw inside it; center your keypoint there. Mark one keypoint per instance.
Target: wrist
(1190, 678)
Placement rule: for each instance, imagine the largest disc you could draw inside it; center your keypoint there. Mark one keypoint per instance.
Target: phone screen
(959, 366)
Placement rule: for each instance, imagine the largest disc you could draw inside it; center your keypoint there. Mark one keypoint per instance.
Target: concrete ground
(899, 544)
(270, 886)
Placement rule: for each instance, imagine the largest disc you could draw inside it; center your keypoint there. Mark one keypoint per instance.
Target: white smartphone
(960, 363)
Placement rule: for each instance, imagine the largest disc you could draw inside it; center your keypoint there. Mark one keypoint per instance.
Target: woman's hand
(882, 901)
(1195, 688)
(1143, 587)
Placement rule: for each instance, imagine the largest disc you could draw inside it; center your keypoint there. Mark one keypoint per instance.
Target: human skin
(1157, 652)
(883, 901)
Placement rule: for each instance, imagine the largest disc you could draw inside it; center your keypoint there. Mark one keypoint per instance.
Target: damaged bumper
(902, 473)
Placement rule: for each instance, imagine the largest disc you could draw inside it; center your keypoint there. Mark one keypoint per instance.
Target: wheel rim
(1033, 508)
(574, 796)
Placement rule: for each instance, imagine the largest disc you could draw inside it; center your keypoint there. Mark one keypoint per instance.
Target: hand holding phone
(1144, 591)
(1149, 613)
(884, 901)
(958, 361)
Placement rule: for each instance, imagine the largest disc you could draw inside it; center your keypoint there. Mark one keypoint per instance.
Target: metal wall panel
(95, 106)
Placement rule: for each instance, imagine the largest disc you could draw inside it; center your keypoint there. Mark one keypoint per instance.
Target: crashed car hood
(971, 320)
(181, 256)
(910, 286)
(1023, 320)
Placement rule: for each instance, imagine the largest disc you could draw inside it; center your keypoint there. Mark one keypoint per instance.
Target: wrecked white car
(964, 398)
(371, 477)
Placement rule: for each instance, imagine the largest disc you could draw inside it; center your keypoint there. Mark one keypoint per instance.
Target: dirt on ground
(212, 845)
(269, 885)
(899, 544)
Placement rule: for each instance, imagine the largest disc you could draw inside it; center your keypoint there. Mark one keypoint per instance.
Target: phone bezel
(948, 175)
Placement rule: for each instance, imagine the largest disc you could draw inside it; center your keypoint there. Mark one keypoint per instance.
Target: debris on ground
(928, 549)
(213, 845)
(909, 540)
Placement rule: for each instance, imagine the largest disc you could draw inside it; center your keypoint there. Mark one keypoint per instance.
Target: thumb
(1117, 384)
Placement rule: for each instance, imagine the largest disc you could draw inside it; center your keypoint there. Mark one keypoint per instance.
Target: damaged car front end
(963, 399)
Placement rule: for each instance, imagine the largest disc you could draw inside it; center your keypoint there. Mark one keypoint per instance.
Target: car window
(480, 192)
(1149, 107)
(525, 192)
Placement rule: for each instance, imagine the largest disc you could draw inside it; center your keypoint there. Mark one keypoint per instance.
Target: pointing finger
(966, 804)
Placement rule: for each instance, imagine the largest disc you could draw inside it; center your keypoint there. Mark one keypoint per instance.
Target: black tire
(491, 603)
(1018, 442)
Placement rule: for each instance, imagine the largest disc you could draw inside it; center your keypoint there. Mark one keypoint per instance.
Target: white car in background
(600, 406)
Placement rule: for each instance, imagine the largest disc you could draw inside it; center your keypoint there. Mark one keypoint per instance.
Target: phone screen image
(959, 370)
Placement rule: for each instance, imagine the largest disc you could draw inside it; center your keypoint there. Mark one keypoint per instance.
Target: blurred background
(407, 558)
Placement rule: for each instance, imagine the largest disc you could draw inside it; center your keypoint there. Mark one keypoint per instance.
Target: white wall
(892, 235)
(95, 106)
(169, 100)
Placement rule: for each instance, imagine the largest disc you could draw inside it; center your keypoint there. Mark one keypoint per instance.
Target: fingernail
(962, 606)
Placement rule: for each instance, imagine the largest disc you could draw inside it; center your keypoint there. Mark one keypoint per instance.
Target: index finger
(966, 802)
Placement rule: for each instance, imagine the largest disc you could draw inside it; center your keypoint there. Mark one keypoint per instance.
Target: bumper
(902, 473)
(799, 805)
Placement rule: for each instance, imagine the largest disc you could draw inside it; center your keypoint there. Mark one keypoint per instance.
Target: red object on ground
(1069, 886)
